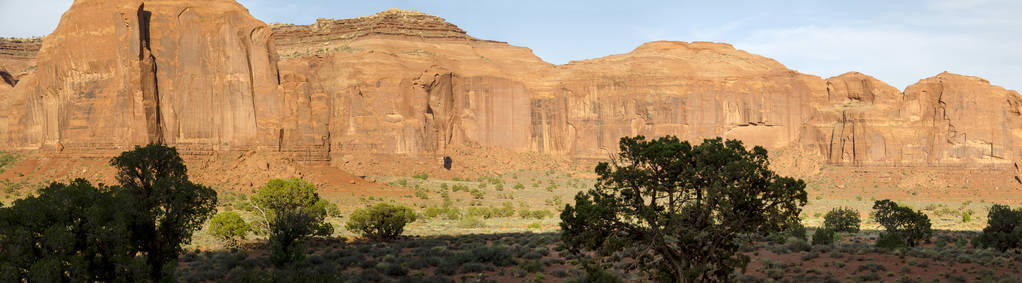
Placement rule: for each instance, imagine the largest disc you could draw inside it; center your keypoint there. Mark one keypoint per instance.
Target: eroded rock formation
(200, 75)
(17, 56)
(945, 120)
(205, 76)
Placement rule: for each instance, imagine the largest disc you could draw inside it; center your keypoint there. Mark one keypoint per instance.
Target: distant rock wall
(945, 120)
(205, 76)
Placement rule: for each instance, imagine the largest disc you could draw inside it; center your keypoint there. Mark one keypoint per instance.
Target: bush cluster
(538, 214)
(447, 212)
(381, 222)
(842, 220)
(131, 232)
(901, 222)
(229, 227)
(823, 236)
(1004, 229)
(507, 210)
(292, 211)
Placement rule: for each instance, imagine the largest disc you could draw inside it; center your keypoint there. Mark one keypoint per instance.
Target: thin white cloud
(970, 37)
(894, 54)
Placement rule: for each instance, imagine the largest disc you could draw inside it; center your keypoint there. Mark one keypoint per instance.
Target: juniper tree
(680, 210)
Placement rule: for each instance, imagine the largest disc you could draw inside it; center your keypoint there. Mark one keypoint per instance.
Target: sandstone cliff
(205, 76)
(17, 58)
(200, 75)
(945, 120)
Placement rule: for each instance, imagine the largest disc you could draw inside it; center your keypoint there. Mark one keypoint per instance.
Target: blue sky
(899, 42)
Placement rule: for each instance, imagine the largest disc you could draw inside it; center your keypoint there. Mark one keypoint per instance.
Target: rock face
(205, 76)
(327, 34)
(200, 75)
(691, 90)
(17, 56)
(946, 120)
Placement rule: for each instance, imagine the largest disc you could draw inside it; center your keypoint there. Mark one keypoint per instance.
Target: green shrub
(288, 231)
(507, 210)
(823, 236)
(531, 266)
(471, 222)
(941, 242)
(842, 220)
(793, 244)
(332, 209)
(538, 214)
(288, 195)
(473, 267)
(872, 267)
(7, 160)
(796, 230)
(420, 176)
(163, 202)
(453, 214)
(477, 194)
(551, 187)
(229, 227)
(391, 269)
(422, 194)
(596, 274)
(480, 212)
(449, 213)
(911, 226)
(499, 255)
(380, 222)
(73, 232)
(1004, 229)
(891, 240)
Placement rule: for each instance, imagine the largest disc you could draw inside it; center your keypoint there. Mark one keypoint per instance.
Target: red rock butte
(207, 77)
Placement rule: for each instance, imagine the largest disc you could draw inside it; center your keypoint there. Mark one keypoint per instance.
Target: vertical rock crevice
(147, 77)
(7, 78)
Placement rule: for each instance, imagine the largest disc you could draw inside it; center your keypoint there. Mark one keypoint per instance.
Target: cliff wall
(205, 76)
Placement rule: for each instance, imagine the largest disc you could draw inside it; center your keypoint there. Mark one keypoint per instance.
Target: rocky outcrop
(200, 75)
(20, 47)
(335, 35)
(966, 120)
(205, 76)
(854, 121)
(945, 120)
(17, 57)
(691, 90)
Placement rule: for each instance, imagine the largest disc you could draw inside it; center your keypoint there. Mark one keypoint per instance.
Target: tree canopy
(69, 232)
(1004, 229)
(681, 208)
(165, 207)
(285, 195)
(229, 227)
(292, 211)
(911, 226)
